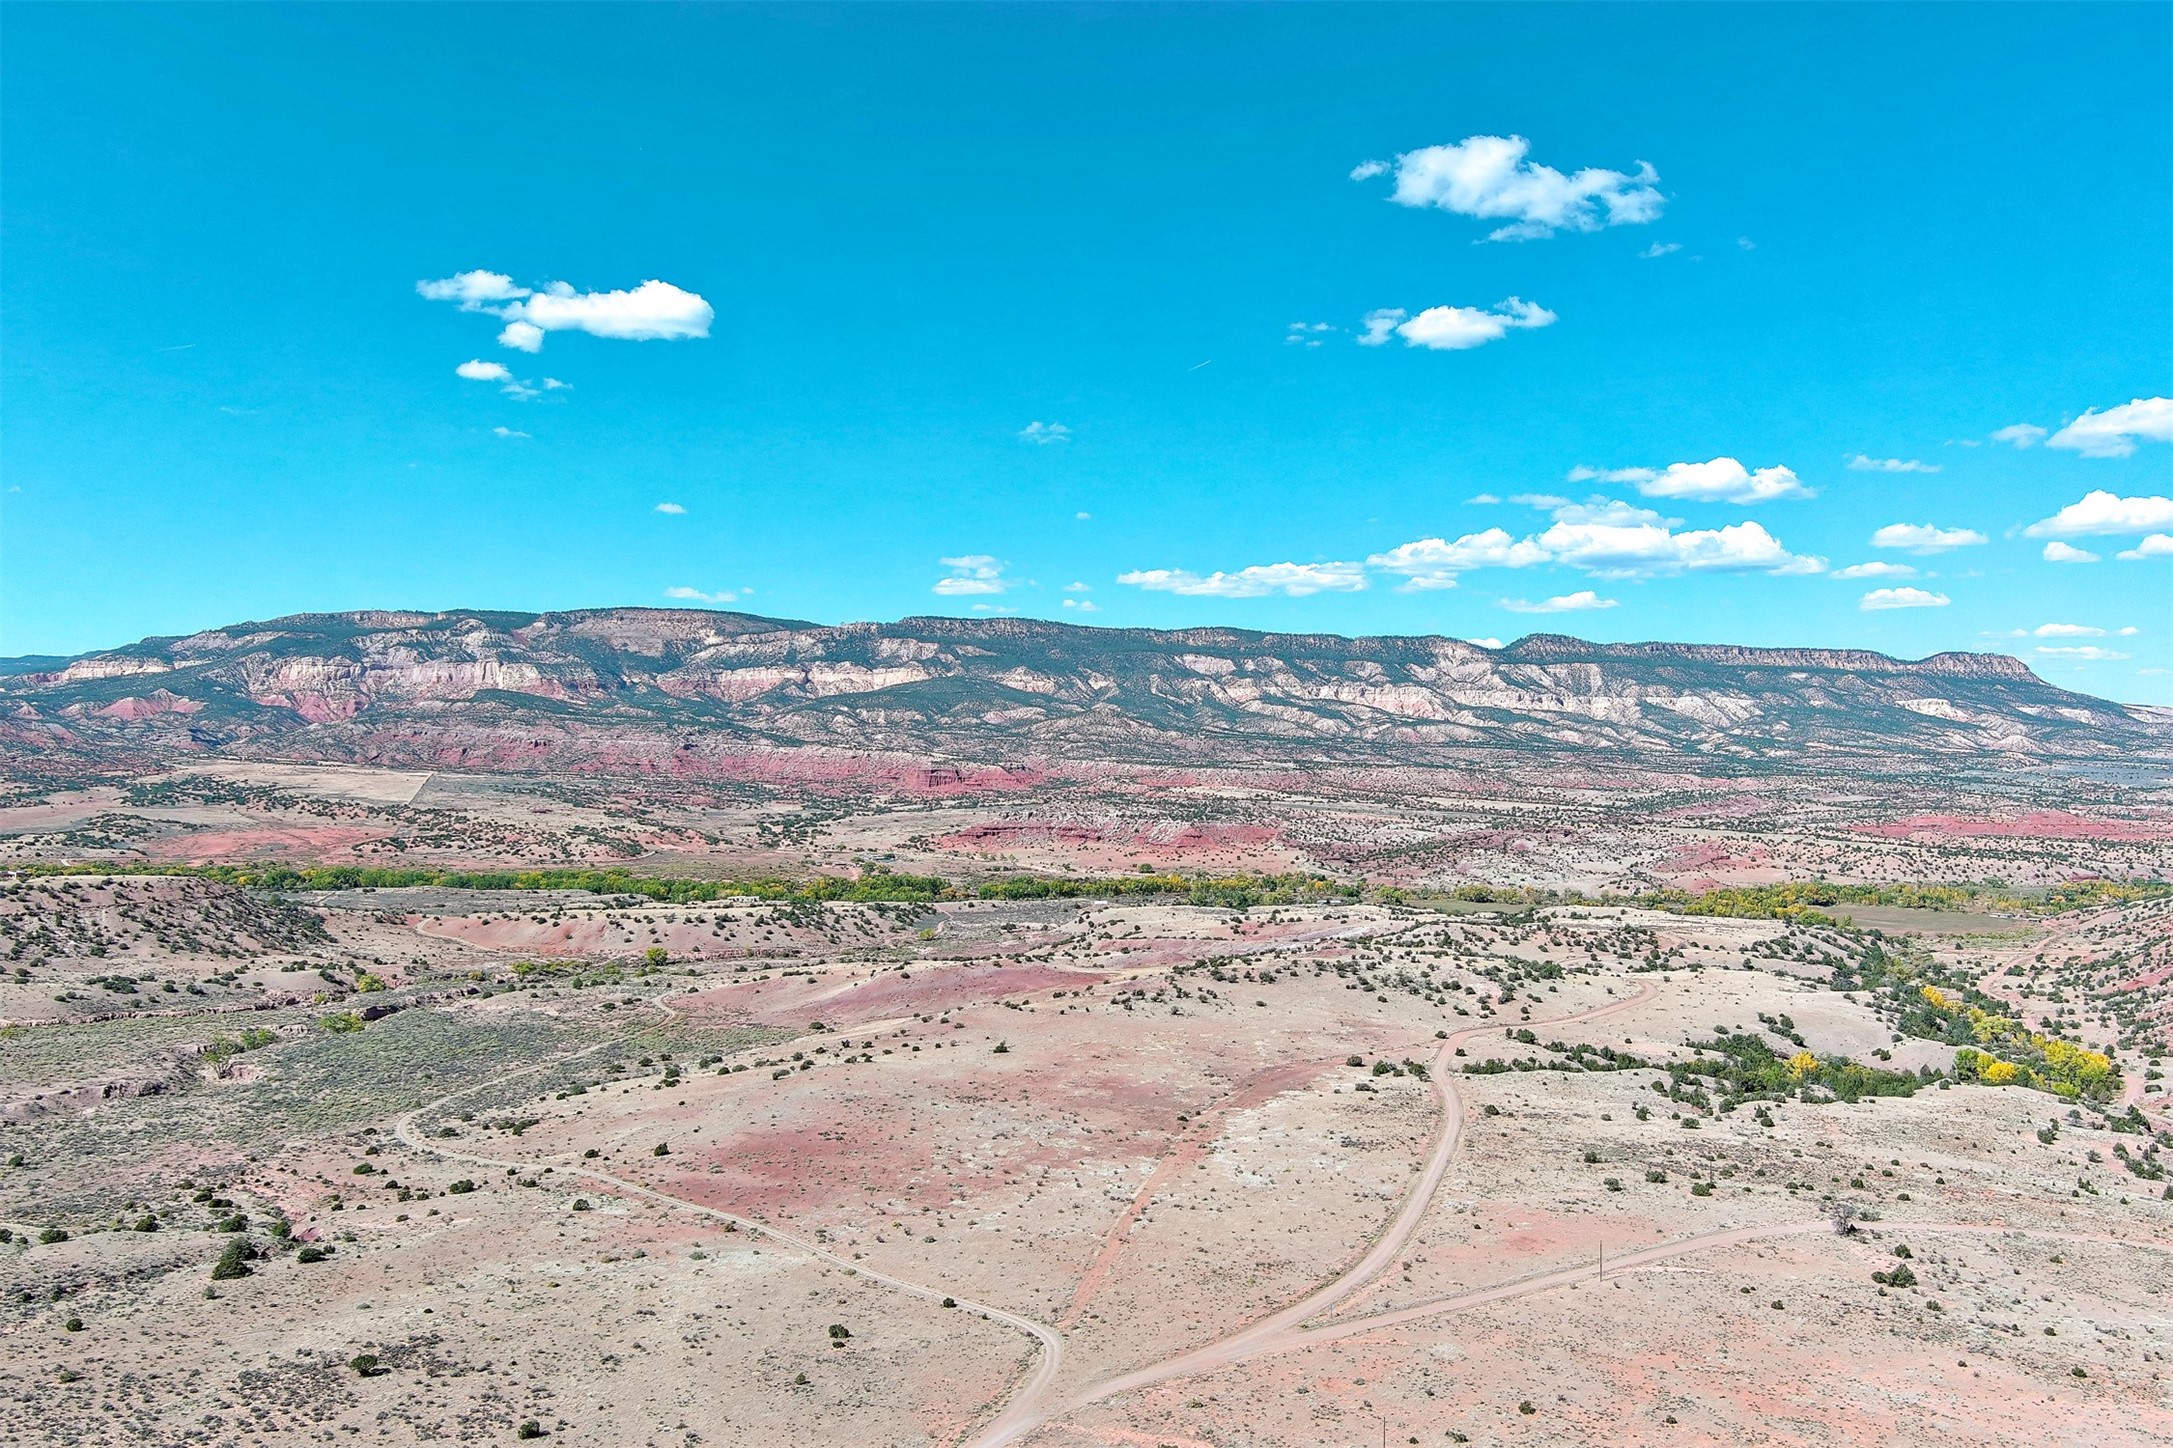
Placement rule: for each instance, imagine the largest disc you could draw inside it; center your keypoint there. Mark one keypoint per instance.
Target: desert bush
(233, 1262)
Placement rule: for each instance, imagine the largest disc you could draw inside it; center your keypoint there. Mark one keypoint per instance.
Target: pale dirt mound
(924, 990)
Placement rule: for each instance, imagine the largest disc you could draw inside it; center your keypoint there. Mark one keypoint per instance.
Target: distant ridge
(642, 689)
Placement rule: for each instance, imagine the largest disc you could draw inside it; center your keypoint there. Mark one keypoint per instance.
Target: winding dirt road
(1028, 1411)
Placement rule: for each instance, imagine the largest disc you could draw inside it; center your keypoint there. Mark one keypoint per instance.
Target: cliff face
(629, 688)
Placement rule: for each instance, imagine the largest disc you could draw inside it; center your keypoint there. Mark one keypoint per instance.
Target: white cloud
(1083, 516)
(1380, 325)
(522, 337)
(1875, 570)
(1078, 588)
(1482, 499)
(2089, 653)
(472, 289)
(509, 432)
(972, 573)
(1583, 474)
(1880, 598)
(1576, 602)
(1604, 536)
(1367, 170)
(1723, 480)
(2100, 512)
(2058, 552)
(1307, 333)
(673, 508)
(654, 311)
(1485, 643)
(1859, 463)
(1488, 177)
(2113, 433)
(1924, 538)
(2157, 545)
(552, 384)
(1433, 563)
(1045, 432)
(1455, 329)
(1295, 580)
(2066, 631)
(477, 370)
(1084, 605)
(1659, 249)
(2020, 434)
(695, 595)
(1647, 548)
(1746, 243)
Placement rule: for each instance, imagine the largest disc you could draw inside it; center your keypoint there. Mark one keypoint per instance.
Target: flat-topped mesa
(680, 688)
(1562, 648)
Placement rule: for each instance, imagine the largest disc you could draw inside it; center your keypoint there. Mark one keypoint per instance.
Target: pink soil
(306, 841)
(2042, 824)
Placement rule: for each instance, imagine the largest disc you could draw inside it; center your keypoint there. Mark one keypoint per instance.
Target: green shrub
(233, 1262)
(462, 1187)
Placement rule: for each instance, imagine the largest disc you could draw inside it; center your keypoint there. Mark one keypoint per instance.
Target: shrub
(53, 1234)
(73, 1324)
(232, 1263)
(365, 1364)
(581, 1204)
(462, 1187)
(313, 1253)
(661, 1149)
(529, 1428)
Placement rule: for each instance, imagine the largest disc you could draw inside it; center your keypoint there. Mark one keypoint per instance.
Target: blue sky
(1020, 289)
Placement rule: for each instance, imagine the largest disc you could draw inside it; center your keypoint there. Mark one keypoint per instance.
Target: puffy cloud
(652, 312)
(1453, 329)
(675, 509)
(1084, 605)
(2058, 552)
(695, 595)
(1881, 598)
(1924, 538)
(552, 384)
(1307, 334)
(2157, 545)
(1488, 177)
(1045, 432)
(1605, 536)
(1078, 587)
(2020, 434)
(1659, 249)
(510, 432)
(1295, 580)
(1485, 643)
(2113, 433)
(1565, 603)
(1875, 570)
(1647, 548)
(972, 573)
(2100, 512)
(477, 370)
(1859, 463)
(474, 290)
(1432, 563)
(1723, 480)
(2066, 631)
(2084, 653)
